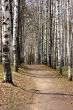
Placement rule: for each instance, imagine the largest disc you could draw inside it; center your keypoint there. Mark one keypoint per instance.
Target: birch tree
(6, 34)
(68, 42)
(15, 34)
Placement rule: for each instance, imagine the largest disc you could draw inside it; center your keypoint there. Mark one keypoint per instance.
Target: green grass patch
(65, 70)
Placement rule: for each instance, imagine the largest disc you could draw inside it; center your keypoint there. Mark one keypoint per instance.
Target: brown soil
(37, 87)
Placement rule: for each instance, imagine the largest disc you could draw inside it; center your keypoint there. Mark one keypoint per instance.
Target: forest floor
(36, 87)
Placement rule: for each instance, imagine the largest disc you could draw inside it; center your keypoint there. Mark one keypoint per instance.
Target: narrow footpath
(52, 91)
(36, 87)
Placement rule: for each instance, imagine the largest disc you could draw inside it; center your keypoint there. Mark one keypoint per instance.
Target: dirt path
(37, 87)
(50, 89)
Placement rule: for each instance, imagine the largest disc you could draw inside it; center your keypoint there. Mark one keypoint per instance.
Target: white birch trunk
(15, 34)
(68, 45)
(6, 33)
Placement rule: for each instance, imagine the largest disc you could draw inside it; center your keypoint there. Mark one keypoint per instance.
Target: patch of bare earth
(37, 87)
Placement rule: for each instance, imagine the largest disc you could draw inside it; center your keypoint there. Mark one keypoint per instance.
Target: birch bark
(68, 45)
(6, 33)
(15, 34)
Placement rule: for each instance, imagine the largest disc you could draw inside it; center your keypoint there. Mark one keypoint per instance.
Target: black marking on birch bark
(3, 17)
(7, 7)
(7, 19)
(9, 28)
(6, 36)
(5, 48)
(7, 43)
(4, 23)
(6, 0)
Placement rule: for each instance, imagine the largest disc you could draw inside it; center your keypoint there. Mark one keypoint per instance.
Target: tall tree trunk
(68, 44)
(15, 34)
(6, 34)
(50, 51)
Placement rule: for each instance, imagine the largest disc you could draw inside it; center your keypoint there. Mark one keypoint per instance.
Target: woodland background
(44, 33)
